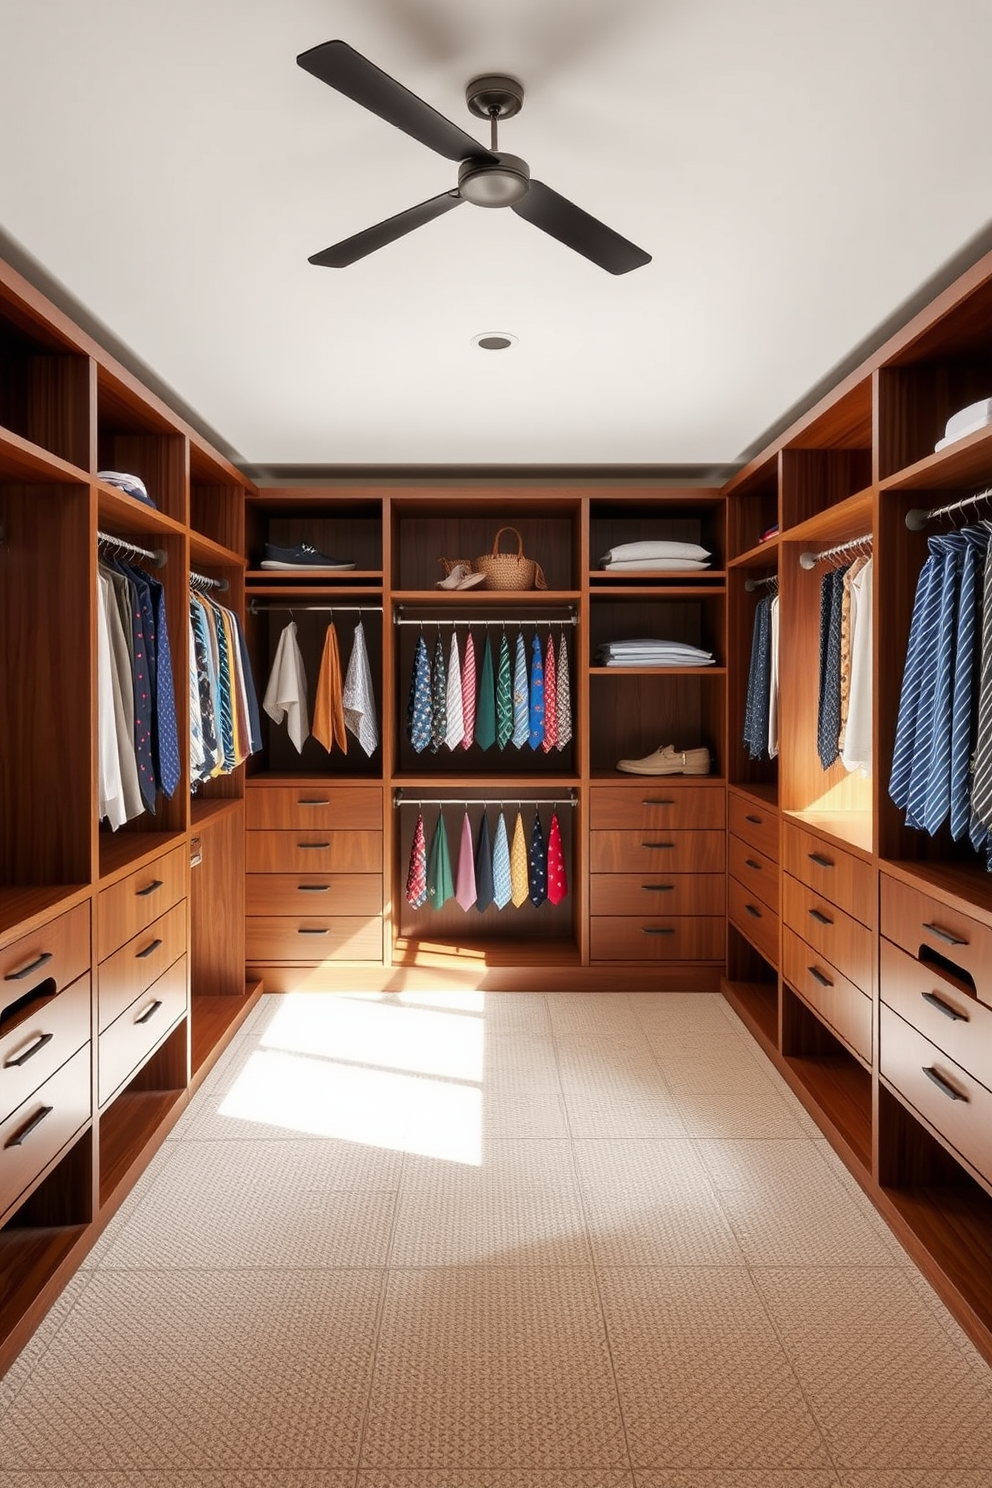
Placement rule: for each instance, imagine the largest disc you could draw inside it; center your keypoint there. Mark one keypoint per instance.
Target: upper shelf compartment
(44, 386)
(344, 526)
(216, 499)
(691, 517)
(136, 438)
(752, 507)
(463, 525)
(830, 458)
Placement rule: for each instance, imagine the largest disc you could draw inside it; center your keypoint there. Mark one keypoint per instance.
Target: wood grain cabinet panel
(314, 893)
(314, 938)
(126, 1044)
(753, 869)
(42, 1125)
(755, 823)
(314, 852)
(919, 923)
(952, 1020)
(846, 943)
(685, 938)
(955, 1106)
(125, 908)
(667, 894)
(132, 969)
(658, 850)
(840, 876)
(356, 808)
(657, 805)
(40, 1039)
(757, 921)
(834, 999)
(58, 952)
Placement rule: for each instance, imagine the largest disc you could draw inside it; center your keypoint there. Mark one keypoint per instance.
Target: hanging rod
(254, 608)
(400, 798)
(810, 560)
(917, 518)
(751, 584)
(200, 581)
(157, 556)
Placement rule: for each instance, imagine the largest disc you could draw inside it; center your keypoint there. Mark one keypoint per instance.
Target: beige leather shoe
(669, 761)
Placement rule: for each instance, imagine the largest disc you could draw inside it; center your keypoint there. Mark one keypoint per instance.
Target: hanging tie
(535, 717)
(928, 774)
(485, 716)
(416, 878)
(468, 691)
(538, 863)
(502, 885)
(359, 697)
(419, 706)
(286, 693)
(828, 709)
(759, 681)
(483, 867)
(557, 882)
(519, 884)
(563, 694)
(521, 722)
(440, 887)
(439, 698)
(980, 822)
(328, 704)
(455, 731)
(926, 605)
(550, 698)
(465, 877)
(504, 695)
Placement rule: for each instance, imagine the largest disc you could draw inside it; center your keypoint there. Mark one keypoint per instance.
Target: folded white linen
(655, 548)
(966, 419)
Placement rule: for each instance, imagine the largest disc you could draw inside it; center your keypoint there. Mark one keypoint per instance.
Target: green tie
(485, 712)
(504, 695)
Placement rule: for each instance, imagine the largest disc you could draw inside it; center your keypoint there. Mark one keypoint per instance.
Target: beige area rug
(496, 1241)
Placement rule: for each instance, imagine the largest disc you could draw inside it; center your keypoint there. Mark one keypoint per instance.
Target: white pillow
(656, 549)
(654, 565)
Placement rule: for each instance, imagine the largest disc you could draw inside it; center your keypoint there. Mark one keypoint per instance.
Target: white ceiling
(796, 168)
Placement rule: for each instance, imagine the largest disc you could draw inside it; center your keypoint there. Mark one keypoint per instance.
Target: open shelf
(213, 1019)
(123, 852)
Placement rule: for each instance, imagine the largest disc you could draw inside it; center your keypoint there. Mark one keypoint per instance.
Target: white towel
(286, 693)
(358, 697)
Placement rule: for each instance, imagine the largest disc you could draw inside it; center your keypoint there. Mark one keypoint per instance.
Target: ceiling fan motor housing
(486, 184)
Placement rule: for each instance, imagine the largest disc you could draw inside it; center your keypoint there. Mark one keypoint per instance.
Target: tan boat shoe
(669, 761)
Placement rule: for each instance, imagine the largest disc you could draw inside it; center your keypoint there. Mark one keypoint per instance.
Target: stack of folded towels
(649, 652)
(966, 421)
(655, 557)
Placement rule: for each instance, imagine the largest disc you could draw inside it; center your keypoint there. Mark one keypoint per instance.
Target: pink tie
(551, 694)
(465, 891)
(468, 691)
(557, 885)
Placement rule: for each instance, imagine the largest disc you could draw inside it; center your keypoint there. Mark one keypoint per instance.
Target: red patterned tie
(416, 878)
(557, 883)
(551, 695)
(468, 691)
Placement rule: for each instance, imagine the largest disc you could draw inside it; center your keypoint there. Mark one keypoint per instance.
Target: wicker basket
(510, 570)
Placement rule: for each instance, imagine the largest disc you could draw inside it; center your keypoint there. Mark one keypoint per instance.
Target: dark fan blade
(363, 243)
(341, 67)
(576, 229)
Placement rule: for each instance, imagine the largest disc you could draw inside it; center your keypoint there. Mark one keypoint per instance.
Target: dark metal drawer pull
(818, 976)
(944, 1007)
(314, 888)
(944, 1086)
(650, 801)
(757, 821)
(303, 931)
(820, 917)
(156, 883)
(140, 955)
(659, 888)
(944, 935)
(657, 844)
(750, 863)
(20, 1137)
(17, 976)
(753, 910)
(30, 1051)
(150, 1011)
(657, 929)
(317, 802)
(312, 845)
(820, 860)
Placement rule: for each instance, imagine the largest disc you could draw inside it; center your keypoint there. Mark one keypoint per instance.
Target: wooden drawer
(313, 939)
(58, 952)
(132, 904)
(323, 893)
(756, 921)
(689, 938)
(949, 1100)
(846, 880)
(339, 808)
(753, 869)
(314, 852)
(129, 971)
(914, 920)
(669, 894)
(837, 1002)
(129, 1040)
(948, 1017)
(845, 942)
(658, 851)
(39, 1039)
(757, 824)
(40, 1127)
(665, 804)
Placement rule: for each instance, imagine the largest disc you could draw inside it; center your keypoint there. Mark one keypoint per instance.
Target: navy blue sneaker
(304, 555)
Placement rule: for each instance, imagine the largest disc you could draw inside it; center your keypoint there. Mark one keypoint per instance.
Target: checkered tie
(550, 698)
(416, 878)
(563, 695)
(502, 884)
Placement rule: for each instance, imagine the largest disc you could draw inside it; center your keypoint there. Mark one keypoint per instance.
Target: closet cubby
(823, 1068)
(659, 516)
(686, 614)
(748, 584)
(631, 715)
(216, 500)
(138, 438)
(138, 1117)
(346, 525)
(463, 524)
(752, 500)
(754, 981)
(44, 386)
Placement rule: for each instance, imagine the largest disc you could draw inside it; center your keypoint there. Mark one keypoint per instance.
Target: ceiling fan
(487, 178)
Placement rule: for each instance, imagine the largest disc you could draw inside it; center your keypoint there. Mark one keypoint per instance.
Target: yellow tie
(519, 886)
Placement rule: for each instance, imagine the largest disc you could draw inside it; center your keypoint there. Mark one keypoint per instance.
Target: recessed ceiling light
(494, 340)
